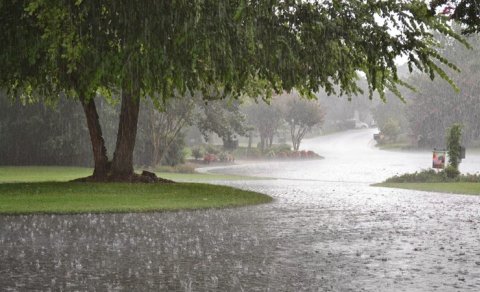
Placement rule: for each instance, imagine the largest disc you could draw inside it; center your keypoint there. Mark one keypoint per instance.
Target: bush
(175, 153)
(391, 129)
(429, 175)
(197, 152)
(450, 174)
(271, 154)
(281, 148)
(454, 135)
(212, 149)
(254, 153)
(226, 157)
(451, 171)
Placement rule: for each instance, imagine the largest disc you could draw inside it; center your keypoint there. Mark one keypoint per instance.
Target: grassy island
(32, 190)
(433, 181)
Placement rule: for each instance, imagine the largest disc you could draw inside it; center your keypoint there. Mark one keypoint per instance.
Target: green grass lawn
(441, 187)
(63, 174)
(34, 190)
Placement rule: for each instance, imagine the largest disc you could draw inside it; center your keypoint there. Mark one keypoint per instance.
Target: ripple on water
(315, 235)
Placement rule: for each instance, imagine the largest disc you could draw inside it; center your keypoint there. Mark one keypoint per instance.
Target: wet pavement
(327, 230)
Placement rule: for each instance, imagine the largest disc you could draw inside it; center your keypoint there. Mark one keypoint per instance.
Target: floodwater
(327, 230)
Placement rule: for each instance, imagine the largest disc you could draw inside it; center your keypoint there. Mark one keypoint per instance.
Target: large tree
(221, 48)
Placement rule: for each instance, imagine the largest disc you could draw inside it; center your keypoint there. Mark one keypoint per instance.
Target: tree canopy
(190, 45)
(221, 48)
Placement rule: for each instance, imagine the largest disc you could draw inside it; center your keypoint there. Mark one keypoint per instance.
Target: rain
(330, 144)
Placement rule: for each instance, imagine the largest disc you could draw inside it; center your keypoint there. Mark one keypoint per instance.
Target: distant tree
(162, 127)
(35, 134)
(301, 115)
(198, 152)
(435, 105)
(223, 118)
(391, 129)
(266, 118)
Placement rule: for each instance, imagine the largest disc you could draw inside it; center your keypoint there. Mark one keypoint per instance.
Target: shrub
(451, 171)
(175, 153)
(197, 152)
(271, 154)
(429, 175)
(450, 174)
(391, 129)
(212, 149)
(223, 156)
(454, 135)
(281, 148)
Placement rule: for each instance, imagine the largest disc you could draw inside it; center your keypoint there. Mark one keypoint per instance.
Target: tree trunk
(293, 136)
(122, 164)
(250, 137)
(270, 140)
(262, 143)
(100, 157)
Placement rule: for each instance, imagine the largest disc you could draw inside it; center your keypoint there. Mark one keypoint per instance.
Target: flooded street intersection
(327, 230)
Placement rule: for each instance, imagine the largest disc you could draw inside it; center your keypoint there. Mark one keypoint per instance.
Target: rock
(150, 175)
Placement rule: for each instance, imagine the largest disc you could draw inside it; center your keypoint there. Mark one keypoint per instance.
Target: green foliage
(450, 174)
(454, 136)
(223, 118)
(451, 171)
(301, 115)
(175, 153)
(164, 49)
(212, 149)
(266, 119)
(36, 134)
(281, 148)
(198, 152)
(464, 11)
(435, 106)
(246, 153)
(391, 129)
(219, 48)
(444, 187)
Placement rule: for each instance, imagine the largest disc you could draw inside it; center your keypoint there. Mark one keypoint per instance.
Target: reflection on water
(318, 234)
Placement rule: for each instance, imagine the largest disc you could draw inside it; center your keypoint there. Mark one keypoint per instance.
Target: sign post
(439, 159)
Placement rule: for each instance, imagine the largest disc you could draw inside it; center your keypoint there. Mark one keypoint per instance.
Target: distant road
(350, 156)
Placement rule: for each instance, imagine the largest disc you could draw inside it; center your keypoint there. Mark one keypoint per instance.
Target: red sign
(439, 158)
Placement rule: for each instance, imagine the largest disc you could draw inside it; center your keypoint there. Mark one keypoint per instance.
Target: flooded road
(348, 157)
(327, 230)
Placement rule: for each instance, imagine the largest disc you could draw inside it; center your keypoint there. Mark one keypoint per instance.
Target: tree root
(145, 177)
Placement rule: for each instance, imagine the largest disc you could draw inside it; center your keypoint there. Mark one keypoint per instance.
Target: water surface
(327, 230)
